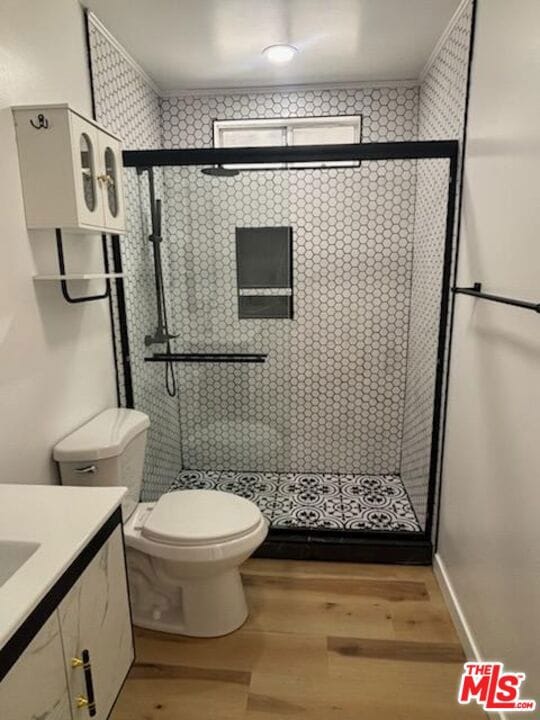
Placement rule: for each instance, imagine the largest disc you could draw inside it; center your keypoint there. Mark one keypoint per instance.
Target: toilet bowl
(183, 551)
(184, 554)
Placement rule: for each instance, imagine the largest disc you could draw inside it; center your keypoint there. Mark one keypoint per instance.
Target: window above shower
(288, 132)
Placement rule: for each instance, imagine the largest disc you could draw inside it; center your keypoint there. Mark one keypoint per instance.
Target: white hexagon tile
(441, 117)
(330, 397)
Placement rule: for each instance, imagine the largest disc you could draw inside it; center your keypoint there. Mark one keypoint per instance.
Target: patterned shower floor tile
(195, 480)
(315, 500)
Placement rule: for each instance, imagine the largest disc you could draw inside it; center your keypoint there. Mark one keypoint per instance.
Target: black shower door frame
(320, 544)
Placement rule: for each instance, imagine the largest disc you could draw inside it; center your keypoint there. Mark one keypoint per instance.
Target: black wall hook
(42, 122)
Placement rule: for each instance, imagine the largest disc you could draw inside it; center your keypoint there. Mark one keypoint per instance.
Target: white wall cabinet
(75, 665)
(71, 170)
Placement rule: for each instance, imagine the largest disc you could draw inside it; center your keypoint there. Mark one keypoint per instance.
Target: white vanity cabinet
(71, 170)
(36, 686)
(96, 629)
(78, 659)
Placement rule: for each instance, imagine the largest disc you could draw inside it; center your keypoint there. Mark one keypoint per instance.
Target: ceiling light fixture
(280, 53)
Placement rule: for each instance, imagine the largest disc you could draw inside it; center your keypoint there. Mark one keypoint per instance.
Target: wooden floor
(323, 640)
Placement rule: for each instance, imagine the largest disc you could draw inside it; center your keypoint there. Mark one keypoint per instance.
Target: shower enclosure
(298, 355)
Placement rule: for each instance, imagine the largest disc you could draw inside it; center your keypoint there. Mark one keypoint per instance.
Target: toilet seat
(204, 552)
(189, 518)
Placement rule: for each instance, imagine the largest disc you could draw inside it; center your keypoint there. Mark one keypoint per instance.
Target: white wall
(56, 364)
(490, 524)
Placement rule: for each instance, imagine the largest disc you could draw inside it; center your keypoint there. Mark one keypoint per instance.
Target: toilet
(184, 550)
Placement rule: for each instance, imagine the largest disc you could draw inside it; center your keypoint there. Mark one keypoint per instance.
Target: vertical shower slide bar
(161, 334)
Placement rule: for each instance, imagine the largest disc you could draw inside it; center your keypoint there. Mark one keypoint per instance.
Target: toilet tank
(107, 450)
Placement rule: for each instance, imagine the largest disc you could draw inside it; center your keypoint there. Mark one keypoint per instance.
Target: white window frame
(288, 125)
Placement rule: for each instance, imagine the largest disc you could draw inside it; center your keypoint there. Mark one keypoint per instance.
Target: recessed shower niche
(264, 272)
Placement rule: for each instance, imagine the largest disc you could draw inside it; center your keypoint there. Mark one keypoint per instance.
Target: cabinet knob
(82, 701)
(105, 179)
(76, 662)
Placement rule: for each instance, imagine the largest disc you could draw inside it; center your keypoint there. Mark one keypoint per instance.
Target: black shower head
(219, 171)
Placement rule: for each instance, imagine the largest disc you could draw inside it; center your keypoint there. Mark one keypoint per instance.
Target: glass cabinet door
(86, 150)
(85, 154)
(111, 182)
(98, 169)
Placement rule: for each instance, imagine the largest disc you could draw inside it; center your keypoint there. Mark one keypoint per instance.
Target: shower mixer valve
(160, 336)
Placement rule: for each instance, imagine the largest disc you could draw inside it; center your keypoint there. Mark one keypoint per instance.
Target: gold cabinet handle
(106, 179)
(82, 701)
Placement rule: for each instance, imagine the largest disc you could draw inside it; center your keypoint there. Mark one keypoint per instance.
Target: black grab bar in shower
(208, 357)
(476, 291)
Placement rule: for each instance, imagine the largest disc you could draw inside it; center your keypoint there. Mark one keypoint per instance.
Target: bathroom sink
(13, 554)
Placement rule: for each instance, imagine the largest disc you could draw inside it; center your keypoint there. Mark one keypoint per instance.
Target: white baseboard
(466, 636)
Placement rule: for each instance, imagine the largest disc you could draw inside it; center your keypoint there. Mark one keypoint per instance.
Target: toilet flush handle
(87, 469)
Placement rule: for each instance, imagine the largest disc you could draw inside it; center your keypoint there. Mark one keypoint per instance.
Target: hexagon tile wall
(441, 116)
(125, 103)
(331, 396)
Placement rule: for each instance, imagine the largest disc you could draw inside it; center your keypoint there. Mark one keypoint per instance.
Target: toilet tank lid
(105, 436)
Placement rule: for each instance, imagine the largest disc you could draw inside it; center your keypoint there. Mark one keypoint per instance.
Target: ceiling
(203, 44)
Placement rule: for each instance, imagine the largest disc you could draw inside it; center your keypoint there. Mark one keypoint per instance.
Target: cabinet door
(85, 150)
(110, 179)
(35, 687)
(96, 627)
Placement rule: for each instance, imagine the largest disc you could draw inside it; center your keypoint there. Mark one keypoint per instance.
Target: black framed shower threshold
(386, 547)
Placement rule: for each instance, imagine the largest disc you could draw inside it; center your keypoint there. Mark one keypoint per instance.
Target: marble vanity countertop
(62, 520)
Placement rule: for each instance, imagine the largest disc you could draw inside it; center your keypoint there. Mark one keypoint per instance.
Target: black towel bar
(208, 357)
(476, 291)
